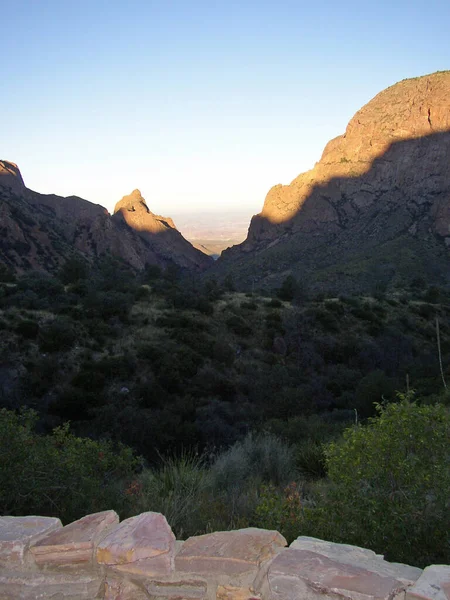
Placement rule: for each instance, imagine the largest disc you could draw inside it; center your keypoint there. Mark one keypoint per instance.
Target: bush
(289, 288)
(261, 457)
(280, 510)
(60, 474)
(391, 484)
(27, 328)
(57, 335)
(6, 275)
(177, 491)
(74, 269)
(239, 325)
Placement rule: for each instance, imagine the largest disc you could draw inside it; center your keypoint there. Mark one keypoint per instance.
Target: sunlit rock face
(410, 109)
(160, 232)
(10, 176)
(387, 175)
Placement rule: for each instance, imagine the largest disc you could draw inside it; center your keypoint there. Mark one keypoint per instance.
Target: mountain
(374, 211)
(40, 231)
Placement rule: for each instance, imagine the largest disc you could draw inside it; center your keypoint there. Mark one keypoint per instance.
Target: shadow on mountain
(41, 231)
(382, 224)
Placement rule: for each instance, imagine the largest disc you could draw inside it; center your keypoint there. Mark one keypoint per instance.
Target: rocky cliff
(39, 231)
(377, 202)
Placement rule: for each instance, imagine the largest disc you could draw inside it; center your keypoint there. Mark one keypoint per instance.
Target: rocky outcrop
(158, 232)
(40, 231)
(382, 186)
(139, 559)
(10, 176)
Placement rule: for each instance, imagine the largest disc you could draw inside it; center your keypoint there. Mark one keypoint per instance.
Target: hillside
(373, 212)
(40, 231)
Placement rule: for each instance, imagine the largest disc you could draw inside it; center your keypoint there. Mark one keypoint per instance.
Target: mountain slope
(375, 205)
(40, 231)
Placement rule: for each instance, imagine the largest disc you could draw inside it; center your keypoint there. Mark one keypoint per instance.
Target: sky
(202, 105)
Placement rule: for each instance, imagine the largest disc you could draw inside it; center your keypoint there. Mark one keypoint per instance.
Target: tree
(288, 289)
(391, 483)
(74, 269)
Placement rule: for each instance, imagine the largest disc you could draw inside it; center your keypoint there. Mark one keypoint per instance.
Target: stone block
(145, 537)
(18, 533)
(228, 552)
(156, 565)
(74, 544)
(177, 588)
(46, 586)
(230, 592)
(358, 557)
(433, 584)
(119, 589)
(303, 574)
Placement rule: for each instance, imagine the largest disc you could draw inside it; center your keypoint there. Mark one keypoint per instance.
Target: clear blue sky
(199, 104)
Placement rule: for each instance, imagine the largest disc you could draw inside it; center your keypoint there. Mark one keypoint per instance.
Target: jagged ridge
(40, 231)
(386, 179)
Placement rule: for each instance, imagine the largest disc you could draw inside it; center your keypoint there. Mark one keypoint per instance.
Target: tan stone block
(228, 552)
(156, 565)
(304, 574)
(433, 584)
(119, 589)
(75, 543)
(142, 537)
(229, 592)
(43, 586)
(358, 557)
(177, 589)
(18, 533)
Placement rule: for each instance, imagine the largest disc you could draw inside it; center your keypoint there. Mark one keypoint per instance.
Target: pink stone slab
(18, 533)
(301, 573)
(156, 565)
(177, 588)
(74, 543)
(228, 592)
(145, 536)
(118, 589)
(33, 586)
(228, 552)
(433, 584)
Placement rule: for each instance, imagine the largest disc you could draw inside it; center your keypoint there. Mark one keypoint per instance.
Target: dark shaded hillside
(358, 233)
(162, 366)
(39, 231)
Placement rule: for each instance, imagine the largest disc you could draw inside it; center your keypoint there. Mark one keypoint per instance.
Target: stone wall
(139, 559)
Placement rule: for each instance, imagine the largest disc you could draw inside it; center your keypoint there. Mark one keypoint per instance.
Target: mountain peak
(10, 176)
(380, 192)
(134, 202)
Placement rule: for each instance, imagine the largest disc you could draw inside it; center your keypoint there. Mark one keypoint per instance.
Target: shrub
(310, 459)
(289, 288)
(274, 303)
(60, 474)
(27, 328)
(6, 275)
(262, 457)
(238, 325)
(374, 388)
(74, 269)
(280, 510)
(391, 484)
(177, 490)
(105, 305)
(57, 335)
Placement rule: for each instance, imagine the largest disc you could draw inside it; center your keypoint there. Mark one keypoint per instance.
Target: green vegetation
(390, 483)
(225, 410)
